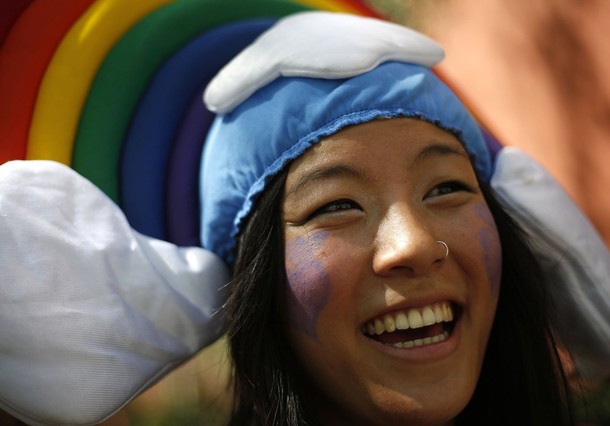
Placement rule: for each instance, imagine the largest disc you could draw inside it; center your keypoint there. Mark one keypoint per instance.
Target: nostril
(405, 243)
(413, 259)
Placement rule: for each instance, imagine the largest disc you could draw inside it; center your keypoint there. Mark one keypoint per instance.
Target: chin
(391, 408)
(406, 411)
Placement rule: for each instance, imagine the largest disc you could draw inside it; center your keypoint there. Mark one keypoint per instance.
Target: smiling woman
(376, 279)
(375, 260)
(353, 250)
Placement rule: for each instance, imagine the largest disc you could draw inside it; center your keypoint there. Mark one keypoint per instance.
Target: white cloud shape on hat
(270, 56)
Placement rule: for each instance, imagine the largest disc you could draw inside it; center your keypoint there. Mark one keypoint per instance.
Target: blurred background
(536, 73)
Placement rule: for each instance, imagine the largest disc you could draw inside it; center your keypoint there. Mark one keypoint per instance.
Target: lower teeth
(424, 341)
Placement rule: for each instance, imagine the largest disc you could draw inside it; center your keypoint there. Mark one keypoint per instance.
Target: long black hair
(522, 380)
(264, 370)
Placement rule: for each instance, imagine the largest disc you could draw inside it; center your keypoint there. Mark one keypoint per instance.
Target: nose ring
(446, 248)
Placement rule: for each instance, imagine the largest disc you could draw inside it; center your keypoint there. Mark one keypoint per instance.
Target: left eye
(335, 207)
(450, 187)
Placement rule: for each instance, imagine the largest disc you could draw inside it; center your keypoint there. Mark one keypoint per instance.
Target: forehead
(403, 138)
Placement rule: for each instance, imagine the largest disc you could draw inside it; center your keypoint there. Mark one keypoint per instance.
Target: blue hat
(279, 97)
(313, 74)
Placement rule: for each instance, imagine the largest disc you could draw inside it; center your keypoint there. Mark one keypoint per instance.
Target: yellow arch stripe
(68, 78)
(329, 5)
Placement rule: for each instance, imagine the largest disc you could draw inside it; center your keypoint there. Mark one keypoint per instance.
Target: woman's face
(387, 329)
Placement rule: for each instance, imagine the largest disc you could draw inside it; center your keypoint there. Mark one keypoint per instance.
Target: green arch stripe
(132, 62)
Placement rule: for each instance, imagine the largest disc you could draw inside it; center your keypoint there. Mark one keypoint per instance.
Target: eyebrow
(329, 172)
(344, 170)
(439, 149)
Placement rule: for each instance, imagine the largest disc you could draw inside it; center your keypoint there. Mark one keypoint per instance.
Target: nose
(405, 244)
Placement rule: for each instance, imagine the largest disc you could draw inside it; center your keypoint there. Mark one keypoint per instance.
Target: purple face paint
(490, 247)
(308, 282)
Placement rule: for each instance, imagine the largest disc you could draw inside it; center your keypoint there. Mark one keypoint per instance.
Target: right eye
(337, 206)
(451, 187)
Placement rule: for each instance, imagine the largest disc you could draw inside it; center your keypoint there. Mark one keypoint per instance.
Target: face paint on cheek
(490, 248)
(308, 282)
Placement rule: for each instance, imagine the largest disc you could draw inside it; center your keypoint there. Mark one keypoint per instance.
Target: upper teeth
(410, 318)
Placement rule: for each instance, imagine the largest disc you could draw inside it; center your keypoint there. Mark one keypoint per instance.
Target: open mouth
(413, 327)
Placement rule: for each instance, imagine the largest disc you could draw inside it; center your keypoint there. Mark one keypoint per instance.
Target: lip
(421, 354)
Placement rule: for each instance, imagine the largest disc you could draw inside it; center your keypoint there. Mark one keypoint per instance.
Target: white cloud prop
(91, 312)
(373, 42)
(575, 259)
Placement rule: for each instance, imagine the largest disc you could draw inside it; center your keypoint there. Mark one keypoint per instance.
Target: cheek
(489, 243)
(308, 282)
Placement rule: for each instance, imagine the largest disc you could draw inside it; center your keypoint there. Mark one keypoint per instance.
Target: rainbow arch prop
(113, 89)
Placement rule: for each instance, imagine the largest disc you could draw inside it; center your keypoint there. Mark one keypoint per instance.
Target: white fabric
(271, 56)
(91, 312)
(575, 259)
